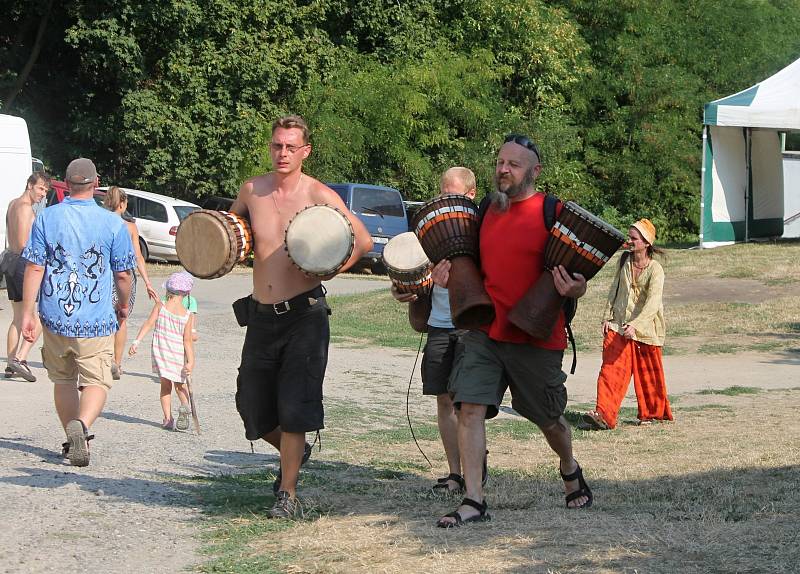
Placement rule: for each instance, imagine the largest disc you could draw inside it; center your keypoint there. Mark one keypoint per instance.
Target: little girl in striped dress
(172, 350)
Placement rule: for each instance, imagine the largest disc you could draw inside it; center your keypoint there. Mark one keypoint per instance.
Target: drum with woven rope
(407, 265)
(581, 242)
(209, 243)
(319, 240)
(447, 228)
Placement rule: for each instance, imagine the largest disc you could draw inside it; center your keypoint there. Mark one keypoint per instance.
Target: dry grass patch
(718, 300)
(712, 492)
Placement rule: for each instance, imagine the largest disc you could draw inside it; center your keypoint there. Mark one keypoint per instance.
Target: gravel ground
(126, 509)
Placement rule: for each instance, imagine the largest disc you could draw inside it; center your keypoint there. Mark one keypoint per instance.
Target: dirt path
(124, 510)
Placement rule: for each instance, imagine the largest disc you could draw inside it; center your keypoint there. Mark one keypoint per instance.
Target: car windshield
(184, 210)
(379, 201)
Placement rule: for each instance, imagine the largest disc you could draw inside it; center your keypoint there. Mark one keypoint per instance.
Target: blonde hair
(293, 121)
(463, 174)
(115, 196)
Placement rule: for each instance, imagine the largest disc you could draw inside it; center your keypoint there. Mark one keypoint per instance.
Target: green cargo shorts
(486, 368)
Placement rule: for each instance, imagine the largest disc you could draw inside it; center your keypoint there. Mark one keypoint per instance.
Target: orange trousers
(623, 358)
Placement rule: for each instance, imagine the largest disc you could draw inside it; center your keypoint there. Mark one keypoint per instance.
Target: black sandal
(480, 507)
(583, 488)
(441, 483)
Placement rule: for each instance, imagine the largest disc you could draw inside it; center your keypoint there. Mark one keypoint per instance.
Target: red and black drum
(447, 228)
(581, 242)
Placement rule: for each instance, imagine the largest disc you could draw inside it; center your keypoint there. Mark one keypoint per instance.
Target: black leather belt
(297, 303)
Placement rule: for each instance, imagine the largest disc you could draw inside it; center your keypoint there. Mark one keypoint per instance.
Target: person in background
(116, 200)
(443, 344)
(19, 220)
(634, 331)
(76, 254)
(172, 347)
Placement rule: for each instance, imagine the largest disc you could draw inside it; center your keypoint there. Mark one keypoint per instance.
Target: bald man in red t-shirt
(513, 236)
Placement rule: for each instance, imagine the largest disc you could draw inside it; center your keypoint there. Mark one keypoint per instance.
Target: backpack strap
(550, 203)
(483, 207)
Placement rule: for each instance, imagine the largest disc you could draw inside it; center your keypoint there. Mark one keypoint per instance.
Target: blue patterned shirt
(80, 245)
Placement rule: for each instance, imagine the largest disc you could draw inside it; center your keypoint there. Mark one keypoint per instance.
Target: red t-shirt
(512, 248)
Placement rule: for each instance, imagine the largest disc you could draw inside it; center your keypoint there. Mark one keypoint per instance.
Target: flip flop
(594, 421)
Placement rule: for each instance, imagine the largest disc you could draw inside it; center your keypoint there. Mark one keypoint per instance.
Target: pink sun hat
(180, 282)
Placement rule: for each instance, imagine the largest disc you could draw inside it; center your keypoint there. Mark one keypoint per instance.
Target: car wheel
(378, 268)
(143, 248)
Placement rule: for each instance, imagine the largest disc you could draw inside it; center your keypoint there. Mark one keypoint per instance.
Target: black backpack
(570, 303)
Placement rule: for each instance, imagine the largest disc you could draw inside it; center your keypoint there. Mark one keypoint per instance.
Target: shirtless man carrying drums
(279, 387)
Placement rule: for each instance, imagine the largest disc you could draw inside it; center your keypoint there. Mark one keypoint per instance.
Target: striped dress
(167, 351)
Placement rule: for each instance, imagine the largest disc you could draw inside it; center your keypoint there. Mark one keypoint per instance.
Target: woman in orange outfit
(633, 327)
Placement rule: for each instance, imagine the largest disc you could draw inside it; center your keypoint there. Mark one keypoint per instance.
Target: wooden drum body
(319, 240)
(209, 243)
(447, 228)
(582, 243)
(407, 265)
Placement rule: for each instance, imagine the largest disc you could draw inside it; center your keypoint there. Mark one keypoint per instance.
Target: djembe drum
(209, 243)
(319, 240)
(447, 228)
(407, 265)
(582, 243)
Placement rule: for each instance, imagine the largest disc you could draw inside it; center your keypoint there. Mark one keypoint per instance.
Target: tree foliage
(178, 96)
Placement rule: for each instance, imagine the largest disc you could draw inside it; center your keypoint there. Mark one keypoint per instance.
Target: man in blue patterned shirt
(75, 251)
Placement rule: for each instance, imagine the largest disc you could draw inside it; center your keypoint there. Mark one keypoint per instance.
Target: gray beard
(501, 200)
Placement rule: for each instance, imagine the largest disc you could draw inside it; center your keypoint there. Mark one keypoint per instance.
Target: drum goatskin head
(404, 252)
(203, 244)
(319, 240)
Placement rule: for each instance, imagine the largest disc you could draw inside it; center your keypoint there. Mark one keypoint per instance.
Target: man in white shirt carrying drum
(443, 342)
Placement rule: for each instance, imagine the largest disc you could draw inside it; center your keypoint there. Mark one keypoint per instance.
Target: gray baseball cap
(81, 171)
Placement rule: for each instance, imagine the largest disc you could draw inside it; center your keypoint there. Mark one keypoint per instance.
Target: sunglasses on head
(524, 142)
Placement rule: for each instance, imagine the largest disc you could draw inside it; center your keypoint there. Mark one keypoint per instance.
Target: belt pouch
(241, 310)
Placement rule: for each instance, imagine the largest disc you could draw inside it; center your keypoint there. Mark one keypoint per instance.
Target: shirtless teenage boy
(279, 387)
(19, 220)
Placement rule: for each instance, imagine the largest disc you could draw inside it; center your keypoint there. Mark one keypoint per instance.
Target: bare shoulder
(321, 193)
(12, 206)
(251, 187)
(257, 185)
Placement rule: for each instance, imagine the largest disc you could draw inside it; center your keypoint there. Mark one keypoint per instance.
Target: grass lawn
(714, 492)
(696, 323)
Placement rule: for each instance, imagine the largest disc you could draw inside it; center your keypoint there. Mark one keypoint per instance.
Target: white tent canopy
(742, 174)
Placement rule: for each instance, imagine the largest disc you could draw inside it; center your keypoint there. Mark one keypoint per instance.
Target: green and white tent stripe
(742, 173)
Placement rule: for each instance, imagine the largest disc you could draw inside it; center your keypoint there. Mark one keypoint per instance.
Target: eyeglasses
(524, 142)
(292, 149)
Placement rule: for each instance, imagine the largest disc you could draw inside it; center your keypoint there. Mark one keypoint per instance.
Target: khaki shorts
(486, 368)
(84, 361)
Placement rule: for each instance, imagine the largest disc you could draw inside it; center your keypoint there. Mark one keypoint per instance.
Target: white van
(15, 164)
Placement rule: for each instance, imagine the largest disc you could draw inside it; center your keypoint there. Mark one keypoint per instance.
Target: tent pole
(703, 185)
(747, 186)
